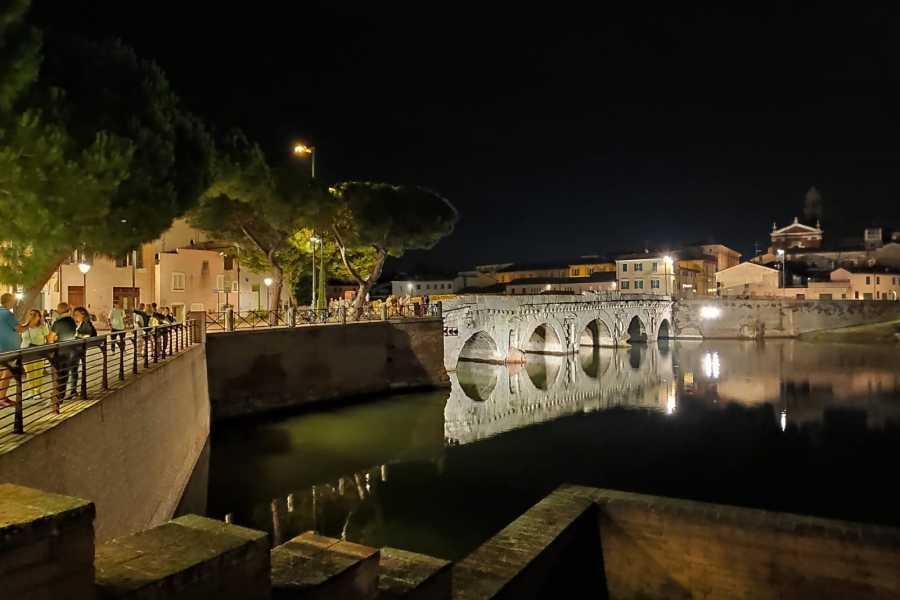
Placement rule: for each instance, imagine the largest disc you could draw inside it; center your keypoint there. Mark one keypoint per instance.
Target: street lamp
(301, 149)
(268, 282)
(313, 240)
(667, 261)
(781, 256)
(84, 267)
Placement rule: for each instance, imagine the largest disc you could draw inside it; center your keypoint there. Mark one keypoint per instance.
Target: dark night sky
(555, 132)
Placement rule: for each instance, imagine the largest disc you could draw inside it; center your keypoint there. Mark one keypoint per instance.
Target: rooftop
(599, 277)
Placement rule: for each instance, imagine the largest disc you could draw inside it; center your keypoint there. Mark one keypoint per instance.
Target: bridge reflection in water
(783, 425)
(487, 399)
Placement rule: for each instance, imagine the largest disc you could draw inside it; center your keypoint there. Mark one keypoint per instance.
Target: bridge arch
(637, 331)
(477, 380)
(596, 334)
(480, 347)
(544, 340)
(665, 330)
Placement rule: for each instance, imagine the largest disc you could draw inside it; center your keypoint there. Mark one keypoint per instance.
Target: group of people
(69, 324)
(66, 323)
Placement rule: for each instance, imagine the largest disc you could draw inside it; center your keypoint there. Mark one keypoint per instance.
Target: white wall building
(419, 287)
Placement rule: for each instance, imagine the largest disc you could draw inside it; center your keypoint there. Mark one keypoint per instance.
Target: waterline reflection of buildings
(487, 400)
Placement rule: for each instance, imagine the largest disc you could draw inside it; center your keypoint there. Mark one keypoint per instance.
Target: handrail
(41, 378)
(230, 320)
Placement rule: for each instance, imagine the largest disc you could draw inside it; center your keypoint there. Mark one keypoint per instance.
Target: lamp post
(268, 282)
(84, 267)
(301, 149)
(313, 240)
(781, 256)
(667, 262)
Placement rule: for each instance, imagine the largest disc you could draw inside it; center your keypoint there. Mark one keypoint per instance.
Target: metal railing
(46, 379)
(230, 320)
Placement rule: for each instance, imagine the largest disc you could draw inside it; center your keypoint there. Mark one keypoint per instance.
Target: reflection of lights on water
(784, 419)
(711, 365)
(710, 312)
(670, 399)
(290, 503)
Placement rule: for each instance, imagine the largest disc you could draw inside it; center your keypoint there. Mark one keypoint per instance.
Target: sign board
(451, 332)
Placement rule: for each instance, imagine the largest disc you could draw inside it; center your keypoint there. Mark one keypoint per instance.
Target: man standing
(66, 360)
(9, 340)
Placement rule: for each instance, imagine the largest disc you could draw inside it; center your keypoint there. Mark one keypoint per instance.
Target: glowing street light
(302, 149)
(780, 253)
(84, 266)
(268, 282)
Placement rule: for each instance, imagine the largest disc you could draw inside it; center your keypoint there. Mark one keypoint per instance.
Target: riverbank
(874, 333)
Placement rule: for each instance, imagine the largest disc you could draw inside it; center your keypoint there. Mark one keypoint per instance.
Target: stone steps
(311, 566)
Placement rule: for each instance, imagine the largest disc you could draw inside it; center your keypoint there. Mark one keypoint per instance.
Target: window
(220, 283)
(867, 296)
(878, 280)
(624, 267)
(655, 267)
(418, 286)
(624, 285)
(177, 282)
(235, 286)
(801, 296)
(638, 284)
(638, 266)
(856, 295)
(204, 268)
(843, 296)
(824, 296)
(197, 307)
(868, 280)
(654, 283)
(573, 272)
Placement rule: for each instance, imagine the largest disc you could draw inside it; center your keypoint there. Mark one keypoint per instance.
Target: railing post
(83, 370)
(19, 418)
(122, 356)
(155, 344)
(229, 319)
(134, 357)
(105, 378)
(146, 337)
(343, 315)
(57, 392)
(384, 312)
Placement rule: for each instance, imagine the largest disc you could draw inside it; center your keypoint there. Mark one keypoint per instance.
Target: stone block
(403, 574)
(46, 540)
(190, 557)
(311, 566)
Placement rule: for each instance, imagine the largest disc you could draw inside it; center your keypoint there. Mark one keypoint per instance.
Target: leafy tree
(260, 210)
(96, 154)
(387, 220)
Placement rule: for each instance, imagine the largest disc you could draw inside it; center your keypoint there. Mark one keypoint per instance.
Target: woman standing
(83, 321)
(34, 332)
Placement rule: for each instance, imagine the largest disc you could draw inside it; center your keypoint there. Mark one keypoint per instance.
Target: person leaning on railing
(66, 359)
(34, 332)
(9, 341)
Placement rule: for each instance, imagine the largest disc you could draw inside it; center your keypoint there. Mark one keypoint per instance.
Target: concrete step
(314, 566)
(311, 566)
(46, 545)
(190, 557)
(412, 576)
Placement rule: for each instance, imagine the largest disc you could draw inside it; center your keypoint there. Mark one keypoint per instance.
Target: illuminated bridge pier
(504, 329)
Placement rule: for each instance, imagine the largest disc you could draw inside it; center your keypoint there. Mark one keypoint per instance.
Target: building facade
(424, 286)
(646, 274)
(597, 282)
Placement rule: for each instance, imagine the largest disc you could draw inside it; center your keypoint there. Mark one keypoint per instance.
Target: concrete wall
(132, 454)
(757, 318)
(261, 370)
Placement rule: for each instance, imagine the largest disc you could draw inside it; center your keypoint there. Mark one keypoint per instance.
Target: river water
(783, 425)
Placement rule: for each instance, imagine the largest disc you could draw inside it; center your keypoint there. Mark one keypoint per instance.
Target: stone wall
(758, 318)
(132, 454)
(262, 370)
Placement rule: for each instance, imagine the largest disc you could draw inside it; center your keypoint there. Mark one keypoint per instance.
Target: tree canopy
(96, 151)
(389, 220)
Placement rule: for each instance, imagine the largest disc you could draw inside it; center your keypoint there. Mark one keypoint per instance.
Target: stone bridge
(501, 329)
